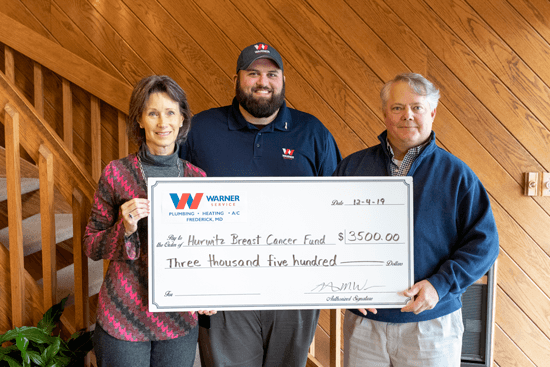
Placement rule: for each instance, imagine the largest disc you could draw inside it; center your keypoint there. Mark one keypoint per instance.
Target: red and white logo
(260, 46)
(288, 153)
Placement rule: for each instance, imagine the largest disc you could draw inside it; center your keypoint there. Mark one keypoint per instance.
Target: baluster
(312, 348)
(122, 135)
(81, 283)
(96, 137)
(38, 89)
(9, 64)
(335, 337)
(47, 217)
(80, 218)
(67, 114)
(15, 216)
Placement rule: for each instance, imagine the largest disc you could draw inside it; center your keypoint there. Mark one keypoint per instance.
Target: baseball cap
(258, 51)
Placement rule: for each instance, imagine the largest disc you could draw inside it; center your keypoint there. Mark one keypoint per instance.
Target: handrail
(64, 63)
(69, 173)
(24, 126)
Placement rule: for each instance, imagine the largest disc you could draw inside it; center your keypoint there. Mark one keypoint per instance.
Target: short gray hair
(420, 85)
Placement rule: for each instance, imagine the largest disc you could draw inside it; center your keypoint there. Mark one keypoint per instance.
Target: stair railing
(23, 126)
(58, 166)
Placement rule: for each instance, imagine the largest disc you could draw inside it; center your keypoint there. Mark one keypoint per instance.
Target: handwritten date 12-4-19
(369, 202)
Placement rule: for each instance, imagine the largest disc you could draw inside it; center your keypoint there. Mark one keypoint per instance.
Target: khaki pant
(432, 343)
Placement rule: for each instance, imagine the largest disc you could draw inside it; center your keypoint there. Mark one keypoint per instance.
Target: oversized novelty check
(280, 243)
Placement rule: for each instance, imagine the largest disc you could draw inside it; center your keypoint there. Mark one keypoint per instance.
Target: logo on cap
(258, 51)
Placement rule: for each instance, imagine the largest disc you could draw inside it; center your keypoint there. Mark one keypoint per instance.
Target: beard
(261, 107)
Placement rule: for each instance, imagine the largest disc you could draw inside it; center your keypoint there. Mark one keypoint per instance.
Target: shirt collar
(282, 122)
(413, 152)
(383, 138)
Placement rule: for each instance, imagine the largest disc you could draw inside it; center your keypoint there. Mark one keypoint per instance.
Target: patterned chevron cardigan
(122, 306)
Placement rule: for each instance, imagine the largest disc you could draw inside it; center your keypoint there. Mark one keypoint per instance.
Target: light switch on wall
(545, 184)
(531, 185)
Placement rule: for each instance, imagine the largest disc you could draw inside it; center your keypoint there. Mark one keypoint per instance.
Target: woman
(126, 333)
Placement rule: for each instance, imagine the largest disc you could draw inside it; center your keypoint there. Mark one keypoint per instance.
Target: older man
(455, 236)
(258, 135)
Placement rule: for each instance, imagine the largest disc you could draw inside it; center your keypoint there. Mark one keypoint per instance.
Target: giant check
(280, 243)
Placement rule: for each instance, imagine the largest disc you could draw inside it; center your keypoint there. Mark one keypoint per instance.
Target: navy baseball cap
(258, 51)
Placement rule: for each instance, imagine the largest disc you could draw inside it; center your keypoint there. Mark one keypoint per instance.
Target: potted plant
(36, 346)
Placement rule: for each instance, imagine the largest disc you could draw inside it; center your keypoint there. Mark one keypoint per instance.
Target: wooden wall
(489, 58)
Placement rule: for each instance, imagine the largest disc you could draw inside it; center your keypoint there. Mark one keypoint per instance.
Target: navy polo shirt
(224, 144)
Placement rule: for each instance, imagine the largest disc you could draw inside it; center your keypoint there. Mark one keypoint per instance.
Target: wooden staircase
(32, 246)
(45, 199)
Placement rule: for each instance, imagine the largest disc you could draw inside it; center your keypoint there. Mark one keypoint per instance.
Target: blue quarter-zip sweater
(455, 235)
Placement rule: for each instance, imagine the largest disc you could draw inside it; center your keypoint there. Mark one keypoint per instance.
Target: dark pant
(258, 338)
(112, 352)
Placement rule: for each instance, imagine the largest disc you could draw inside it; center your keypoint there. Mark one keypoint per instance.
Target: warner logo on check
(180, 201)
(204, 207)
(191, 202)
(223, 200)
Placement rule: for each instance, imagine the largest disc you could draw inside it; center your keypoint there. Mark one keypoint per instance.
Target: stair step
(27, 185)
(32, 232)
(65, 279)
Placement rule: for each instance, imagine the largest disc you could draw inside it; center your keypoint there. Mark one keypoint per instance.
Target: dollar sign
(340, 236)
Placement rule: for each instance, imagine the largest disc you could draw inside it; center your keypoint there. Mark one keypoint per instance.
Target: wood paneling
(151, 50)
(489, 59)
(523, 331)
(507, 353)
(106, 39)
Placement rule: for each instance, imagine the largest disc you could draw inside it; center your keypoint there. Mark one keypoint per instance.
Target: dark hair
(140, 96)
(420, 85)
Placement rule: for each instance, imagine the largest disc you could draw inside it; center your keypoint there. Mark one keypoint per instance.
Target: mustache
(255, 89)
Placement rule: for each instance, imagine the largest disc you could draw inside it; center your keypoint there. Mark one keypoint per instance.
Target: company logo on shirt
(288, 153)
(180, 201)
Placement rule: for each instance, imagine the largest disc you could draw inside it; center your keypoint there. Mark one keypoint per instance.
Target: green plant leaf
(22, 342)
(11, 352)
(80, 343)
(7, 350)
(37, 335)
(35, 346)
(11, 334)
(49, 353)
(36, 358)
(52, 316)
(63, 360)
(12, 362)
(25, 359)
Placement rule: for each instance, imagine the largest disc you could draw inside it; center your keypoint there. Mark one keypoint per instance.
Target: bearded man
(258, 135)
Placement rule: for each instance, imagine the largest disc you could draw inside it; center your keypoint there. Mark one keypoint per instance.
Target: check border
(155, 298)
